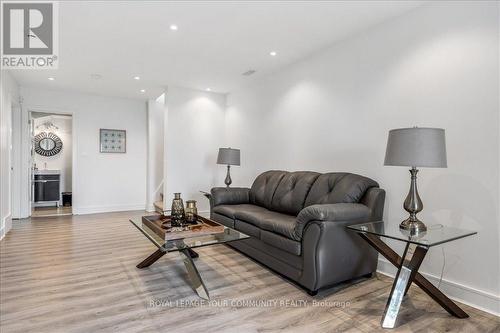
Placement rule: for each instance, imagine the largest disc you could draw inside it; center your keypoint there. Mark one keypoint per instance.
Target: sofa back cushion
(264, 186)
(292, 191)
(338, 187)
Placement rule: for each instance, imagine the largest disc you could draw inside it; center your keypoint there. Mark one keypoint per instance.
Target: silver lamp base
(413, 227)
(228, 179)
(413, 205)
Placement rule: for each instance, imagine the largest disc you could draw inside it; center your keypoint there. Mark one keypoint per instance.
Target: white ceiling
(215, 43)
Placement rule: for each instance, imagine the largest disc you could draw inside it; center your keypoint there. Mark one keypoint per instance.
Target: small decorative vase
(191, 211)
(177, 213)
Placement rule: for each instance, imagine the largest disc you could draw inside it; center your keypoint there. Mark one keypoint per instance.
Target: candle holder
(177, 213)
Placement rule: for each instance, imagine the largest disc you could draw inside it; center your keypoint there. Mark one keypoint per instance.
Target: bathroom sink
(46, 172)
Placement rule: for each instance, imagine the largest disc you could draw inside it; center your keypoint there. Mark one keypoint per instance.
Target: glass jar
(177, 212)
(191, 211)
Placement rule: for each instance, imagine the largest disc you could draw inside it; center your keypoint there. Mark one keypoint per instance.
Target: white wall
(101, 182)
(156, 142)
(437, 66)
(63, 160)
(195, 132)
(9, 98)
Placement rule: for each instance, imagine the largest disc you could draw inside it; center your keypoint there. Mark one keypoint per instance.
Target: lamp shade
(228, 156)
(416, 147)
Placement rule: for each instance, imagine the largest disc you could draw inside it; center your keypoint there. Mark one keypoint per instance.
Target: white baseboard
(150, 208)
(478, 299)
(5, 225)
(107, 209)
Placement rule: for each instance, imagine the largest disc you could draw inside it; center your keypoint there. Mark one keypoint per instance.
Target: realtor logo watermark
(30, 38)
(246, 303)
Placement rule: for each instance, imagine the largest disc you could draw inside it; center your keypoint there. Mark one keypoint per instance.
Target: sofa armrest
(229, 196)
(331, 212)
(328, 245)
(374, 199)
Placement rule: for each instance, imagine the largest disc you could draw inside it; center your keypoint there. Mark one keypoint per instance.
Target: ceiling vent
(249, 72)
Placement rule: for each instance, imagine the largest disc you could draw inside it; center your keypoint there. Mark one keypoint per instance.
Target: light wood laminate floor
(78, 274)
(51, 211)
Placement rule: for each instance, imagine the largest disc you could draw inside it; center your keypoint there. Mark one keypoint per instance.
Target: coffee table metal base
(193, 273)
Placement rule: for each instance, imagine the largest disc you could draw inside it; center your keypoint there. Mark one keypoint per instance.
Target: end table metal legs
(402, 281)
(408, 274)
(194, 275)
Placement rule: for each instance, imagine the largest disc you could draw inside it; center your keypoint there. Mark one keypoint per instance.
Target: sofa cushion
(230, 210)
(227, 221)
(268, 220)
(338, 187)
(264, 186)
(281, 242)
(253, 215)
(278, 223)
(291, 192)
(247, 228)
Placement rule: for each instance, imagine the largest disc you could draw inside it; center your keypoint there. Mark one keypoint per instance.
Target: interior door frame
(26, 177)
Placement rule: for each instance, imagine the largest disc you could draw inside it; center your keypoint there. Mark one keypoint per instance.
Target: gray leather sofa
(297, 221)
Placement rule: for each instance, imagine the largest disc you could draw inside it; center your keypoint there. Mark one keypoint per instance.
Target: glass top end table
(185, 245)
(435, 234)
(409, 263)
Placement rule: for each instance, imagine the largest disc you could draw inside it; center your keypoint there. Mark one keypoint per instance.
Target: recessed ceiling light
(51, 79)
(174, 27)
(143, 90)
(137, 77)
(273, 53)
(95, 76)
(208, 89)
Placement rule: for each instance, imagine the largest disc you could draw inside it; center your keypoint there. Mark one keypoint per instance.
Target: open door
(51, 163)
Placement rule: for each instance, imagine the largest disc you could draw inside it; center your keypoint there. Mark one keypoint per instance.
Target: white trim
(24, 177)
(5, 227)
(26, 142)
(154, 189)
(165, 147)
(476, 298)
(16, 163)
(107, 209)
(149, 165)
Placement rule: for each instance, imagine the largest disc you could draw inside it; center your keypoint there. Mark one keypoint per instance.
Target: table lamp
(415, 147)
(228, 156)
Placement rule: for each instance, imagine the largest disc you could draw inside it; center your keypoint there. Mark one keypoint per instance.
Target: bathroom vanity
(47, 186)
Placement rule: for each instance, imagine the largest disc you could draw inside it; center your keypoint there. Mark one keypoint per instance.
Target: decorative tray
(160, 225)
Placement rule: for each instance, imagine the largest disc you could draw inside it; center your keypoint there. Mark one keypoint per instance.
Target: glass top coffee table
(372, 232)
(185, 245)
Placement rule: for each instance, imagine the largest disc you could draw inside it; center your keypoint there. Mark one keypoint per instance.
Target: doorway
(51, 164)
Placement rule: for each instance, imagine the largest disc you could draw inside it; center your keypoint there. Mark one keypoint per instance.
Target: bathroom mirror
(47, 144)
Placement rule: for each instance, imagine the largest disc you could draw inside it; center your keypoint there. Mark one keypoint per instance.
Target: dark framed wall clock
(113, 141)
(47, 144)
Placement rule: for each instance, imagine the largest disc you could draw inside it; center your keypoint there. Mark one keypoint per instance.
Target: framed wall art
(113, 141)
